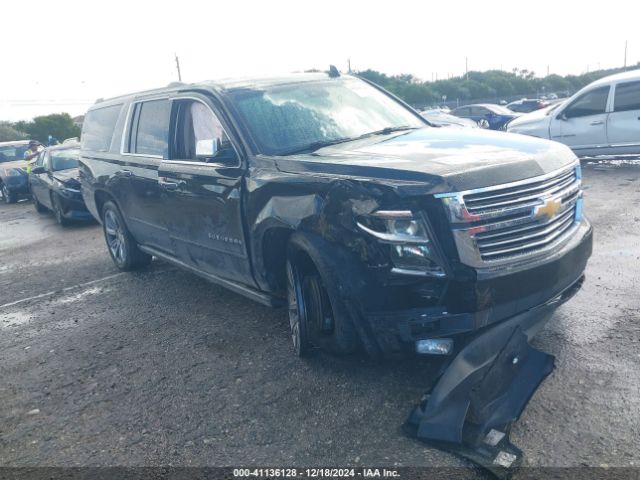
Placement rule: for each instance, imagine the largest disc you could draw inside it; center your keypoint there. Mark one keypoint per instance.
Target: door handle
(166, 184)
(124, 173)
(597, 122)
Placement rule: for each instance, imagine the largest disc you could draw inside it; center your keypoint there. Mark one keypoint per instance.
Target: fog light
(434, 346)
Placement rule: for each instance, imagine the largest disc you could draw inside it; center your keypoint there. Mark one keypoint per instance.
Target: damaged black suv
(328, 195)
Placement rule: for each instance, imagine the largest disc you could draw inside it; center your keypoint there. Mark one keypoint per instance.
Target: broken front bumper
(527, 297)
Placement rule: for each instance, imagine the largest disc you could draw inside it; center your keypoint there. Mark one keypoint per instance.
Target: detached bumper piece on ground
(470, 409)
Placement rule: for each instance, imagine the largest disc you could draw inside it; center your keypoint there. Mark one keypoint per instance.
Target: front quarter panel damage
(325, 206)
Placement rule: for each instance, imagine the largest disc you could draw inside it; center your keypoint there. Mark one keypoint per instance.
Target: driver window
(591, 103)
(196, 123)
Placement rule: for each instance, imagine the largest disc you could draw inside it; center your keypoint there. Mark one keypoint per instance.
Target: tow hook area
(473, 404)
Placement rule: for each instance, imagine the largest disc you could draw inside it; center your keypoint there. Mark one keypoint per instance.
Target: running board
(260, 297)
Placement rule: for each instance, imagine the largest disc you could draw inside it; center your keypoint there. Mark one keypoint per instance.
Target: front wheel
(122, 246)
(318, 316)
(58, 211)
(38, 206)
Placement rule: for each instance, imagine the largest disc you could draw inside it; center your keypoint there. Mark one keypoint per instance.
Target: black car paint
(14, 177)
(230, 223)
(64, 185)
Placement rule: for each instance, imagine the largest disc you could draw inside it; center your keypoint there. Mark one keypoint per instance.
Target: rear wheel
(8, 195)
(122, 246)
(318, 317)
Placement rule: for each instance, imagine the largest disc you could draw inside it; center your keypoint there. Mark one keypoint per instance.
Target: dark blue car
(14, 181)
(486, 115)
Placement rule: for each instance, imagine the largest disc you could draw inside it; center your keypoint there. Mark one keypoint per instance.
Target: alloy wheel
(115, 237)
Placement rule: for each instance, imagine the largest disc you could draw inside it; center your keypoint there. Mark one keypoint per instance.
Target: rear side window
(98, 127)
(627, 97)
(591, 103)
(150, 131)
(462, 112)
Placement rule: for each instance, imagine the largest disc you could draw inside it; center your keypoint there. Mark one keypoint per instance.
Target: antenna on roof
(333, 71)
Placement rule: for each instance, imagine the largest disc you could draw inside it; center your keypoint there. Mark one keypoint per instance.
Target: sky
(61, 56)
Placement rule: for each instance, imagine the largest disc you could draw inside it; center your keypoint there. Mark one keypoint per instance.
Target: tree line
(475, 85)
(481, 85)
(58, 125)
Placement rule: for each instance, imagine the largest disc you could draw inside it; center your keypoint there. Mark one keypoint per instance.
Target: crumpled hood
(445, 160)
(71, 176)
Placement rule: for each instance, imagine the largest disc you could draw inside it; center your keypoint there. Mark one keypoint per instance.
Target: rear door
(202, 183)
(144, 147)
(623, 123)
(583, 123)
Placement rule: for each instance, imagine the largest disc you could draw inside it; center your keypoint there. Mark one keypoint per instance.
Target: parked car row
(52, 184)
(601, 119)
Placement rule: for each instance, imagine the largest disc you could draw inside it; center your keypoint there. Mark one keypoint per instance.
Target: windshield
(286, 118)
(64, 159)
(12, 153)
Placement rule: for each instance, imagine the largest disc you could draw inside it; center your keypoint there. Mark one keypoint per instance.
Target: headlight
(411, 246)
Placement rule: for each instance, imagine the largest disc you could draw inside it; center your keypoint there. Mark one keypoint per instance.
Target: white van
(601, 119)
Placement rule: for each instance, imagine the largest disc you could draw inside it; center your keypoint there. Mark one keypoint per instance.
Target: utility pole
(547, 70)
(625, 54)
(349, 64)
(466, 67)
(178, 67)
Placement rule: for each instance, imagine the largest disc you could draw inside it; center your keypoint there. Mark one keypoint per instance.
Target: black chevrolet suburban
(326, 194)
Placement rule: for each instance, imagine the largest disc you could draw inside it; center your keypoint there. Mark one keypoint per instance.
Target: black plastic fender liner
(484, 390)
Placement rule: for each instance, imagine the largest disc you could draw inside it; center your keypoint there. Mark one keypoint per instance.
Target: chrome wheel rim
(115, 236)
(5, 193)
(294, 309)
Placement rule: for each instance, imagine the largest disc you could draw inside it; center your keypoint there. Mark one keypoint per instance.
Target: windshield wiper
(388, 130)
(312, 147)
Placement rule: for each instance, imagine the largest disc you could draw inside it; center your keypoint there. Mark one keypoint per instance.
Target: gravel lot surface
(159, 367)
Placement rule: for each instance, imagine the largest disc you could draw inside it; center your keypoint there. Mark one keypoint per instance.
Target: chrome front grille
(511, 223)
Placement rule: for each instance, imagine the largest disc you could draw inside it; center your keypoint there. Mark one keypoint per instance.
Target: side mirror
(562, 116)
(206, 149)
(38, 170)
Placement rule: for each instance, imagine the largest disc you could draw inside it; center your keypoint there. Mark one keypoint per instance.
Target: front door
(583, 123)
(202, 184)
(623, 128)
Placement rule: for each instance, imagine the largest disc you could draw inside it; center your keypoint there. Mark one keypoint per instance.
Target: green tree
(60, 125)
(8, 133)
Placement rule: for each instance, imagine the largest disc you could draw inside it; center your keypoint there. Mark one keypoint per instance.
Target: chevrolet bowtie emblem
(548, 209)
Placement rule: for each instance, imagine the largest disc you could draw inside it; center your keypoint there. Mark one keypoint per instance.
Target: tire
(8, 195)
(38, 206)
(57, 210)
(122, 246)
(318, 316)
